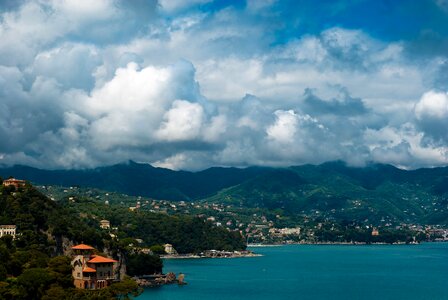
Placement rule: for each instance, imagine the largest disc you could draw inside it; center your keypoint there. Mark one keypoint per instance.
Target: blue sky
(194, 84)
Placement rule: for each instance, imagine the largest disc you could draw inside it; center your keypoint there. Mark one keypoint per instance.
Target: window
(79, 274)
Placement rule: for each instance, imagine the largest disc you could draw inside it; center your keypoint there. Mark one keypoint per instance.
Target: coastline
(212, 254)
(264, 245)
(336, 243)
(160, 279)
(248, 253)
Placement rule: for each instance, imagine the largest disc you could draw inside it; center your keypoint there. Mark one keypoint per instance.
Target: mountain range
(378, 193)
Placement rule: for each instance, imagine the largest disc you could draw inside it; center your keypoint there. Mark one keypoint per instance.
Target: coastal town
(259, 226)
(223, 149)
(92, 270)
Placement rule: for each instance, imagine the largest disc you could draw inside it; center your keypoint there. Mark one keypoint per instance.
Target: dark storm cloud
(344, 106)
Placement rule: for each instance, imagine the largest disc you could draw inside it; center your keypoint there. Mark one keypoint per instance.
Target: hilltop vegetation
(140, 179)
(187, 234)
(33, 266)
(378, 193)
(42, 222)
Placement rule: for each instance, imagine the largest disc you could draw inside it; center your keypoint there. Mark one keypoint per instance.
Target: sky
(201, 83)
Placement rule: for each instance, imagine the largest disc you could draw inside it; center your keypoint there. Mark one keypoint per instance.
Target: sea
(314, 272)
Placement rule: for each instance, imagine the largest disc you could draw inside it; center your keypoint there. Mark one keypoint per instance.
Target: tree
(2, 272)
(125, 289)
(158, 249)
(35, 281)
(61, 269)
(60, 264)
(7, 240)
(55, 293)
(143, 264)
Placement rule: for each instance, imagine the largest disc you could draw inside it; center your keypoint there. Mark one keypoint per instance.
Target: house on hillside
(17, 183)
(91, 271)
(8, 230)
(105, 224)
(169, 249)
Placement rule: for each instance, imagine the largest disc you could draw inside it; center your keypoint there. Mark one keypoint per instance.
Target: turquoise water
(315, 272)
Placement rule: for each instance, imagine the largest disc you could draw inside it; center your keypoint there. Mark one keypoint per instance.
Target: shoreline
(157, 280)
(237, 254)
(340, 243)
(205, 257)
(212, 254)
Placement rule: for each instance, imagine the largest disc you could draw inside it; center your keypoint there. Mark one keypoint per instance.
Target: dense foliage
(374, 192)
(140, 179)
(31, 266)
(378, 193)
(337, 233)
(187, 234)
(143, 264)
(32, 274)
(37, 217)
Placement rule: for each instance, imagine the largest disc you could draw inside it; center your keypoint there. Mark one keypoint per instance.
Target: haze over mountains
(379, 193)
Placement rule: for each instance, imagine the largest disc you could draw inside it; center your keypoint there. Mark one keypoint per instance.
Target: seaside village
(91, 271)
(254, 226)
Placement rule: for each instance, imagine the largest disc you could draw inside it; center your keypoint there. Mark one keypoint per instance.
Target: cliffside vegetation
(187, 234)
(33, 265)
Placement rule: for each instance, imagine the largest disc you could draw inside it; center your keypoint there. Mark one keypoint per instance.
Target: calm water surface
(315, 272)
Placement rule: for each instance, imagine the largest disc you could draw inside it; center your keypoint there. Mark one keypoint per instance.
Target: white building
(105, 224)
(169, 249)
(290, 231)
(8, 230)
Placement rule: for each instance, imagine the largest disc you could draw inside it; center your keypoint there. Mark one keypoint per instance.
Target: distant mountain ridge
(378, 193)
(335, 190)
(140, 179)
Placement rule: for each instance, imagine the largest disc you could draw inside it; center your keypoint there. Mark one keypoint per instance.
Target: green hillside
(140, 179)
(333, 190)
(34, 265)
(339, 192)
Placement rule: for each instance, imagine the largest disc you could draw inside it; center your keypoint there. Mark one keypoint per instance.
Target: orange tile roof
(14, 180)
(82, 247)
(89, 270)
(99, 259)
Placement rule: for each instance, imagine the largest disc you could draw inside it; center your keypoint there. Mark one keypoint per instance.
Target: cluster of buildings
(284, 231)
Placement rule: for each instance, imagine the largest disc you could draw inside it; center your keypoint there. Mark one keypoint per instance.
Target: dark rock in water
(180, 279)
(160, 279)
(170, 277)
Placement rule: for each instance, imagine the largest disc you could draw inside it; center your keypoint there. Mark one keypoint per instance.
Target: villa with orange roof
(91, 271)
(17, 183)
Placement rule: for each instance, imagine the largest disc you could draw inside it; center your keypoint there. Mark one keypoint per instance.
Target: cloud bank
(189, 86)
